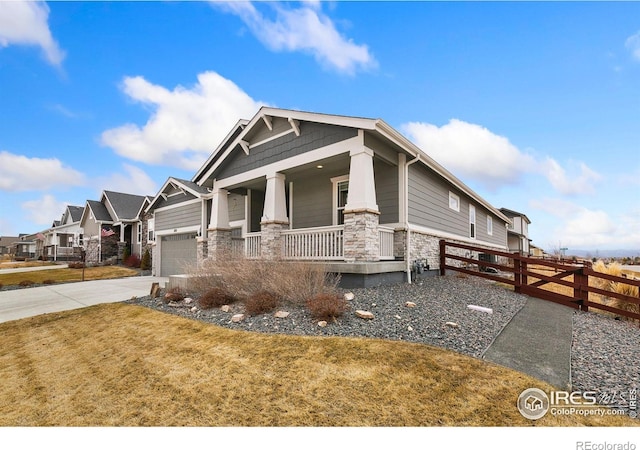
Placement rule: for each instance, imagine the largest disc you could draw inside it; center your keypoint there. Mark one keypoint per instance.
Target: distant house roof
(8, 241)
(76, 212)
(512, 213)
(125, 206)
(56, 223)
(99, 211)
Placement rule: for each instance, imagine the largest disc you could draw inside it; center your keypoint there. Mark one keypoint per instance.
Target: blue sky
(535, 105)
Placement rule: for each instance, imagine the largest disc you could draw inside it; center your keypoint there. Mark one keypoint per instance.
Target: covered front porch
(339, 208)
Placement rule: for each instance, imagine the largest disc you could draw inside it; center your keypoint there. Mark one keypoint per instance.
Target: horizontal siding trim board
(178, 205)
(445, 235)
(181, 230)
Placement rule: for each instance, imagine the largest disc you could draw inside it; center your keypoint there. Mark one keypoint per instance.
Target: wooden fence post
(517, 274)
(581, 288)
(442, 258)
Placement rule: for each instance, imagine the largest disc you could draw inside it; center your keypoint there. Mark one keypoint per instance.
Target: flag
(107, 232)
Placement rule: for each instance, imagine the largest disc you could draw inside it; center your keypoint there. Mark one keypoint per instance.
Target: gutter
(407, 252)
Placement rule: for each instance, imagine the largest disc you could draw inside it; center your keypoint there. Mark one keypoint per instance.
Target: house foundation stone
(271, 239)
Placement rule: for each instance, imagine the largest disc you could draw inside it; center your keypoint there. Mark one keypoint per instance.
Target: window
(139, 227)
(150, 228)
(489, 225)
(472, 221)
(340, 194)
(454, 202)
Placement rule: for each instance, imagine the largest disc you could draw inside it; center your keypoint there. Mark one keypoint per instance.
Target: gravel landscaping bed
(605, 357)
(438, 300)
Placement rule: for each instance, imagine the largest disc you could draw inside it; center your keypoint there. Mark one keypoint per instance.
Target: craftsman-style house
(351, 192)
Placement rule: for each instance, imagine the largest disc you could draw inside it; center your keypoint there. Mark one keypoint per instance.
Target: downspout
(407, 252)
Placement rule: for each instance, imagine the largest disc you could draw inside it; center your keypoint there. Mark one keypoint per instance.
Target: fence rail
(385, 235)
(571, 284)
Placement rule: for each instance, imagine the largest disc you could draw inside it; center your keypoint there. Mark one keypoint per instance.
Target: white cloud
(304, 29)
(579, 227)
(20, 173)
(25, 23)
(471, 151)
(582, 182)
(474, 152)
(44, 210)
(133, 181)
(633, 45)
(186, 124)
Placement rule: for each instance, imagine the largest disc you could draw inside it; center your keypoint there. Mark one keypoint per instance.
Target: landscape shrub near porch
(291, 282)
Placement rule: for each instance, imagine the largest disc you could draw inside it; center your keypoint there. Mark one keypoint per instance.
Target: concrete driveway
(29, 302)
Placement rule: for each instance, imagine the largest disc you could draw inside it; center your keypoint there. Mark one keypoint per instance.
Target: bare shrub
(260, 303)
(215, 298)
(616, 286)
(49, 281)
(76, 265)
(1, 285)
(290, 281)
(174, 294)
(327, 306)
(25, 283)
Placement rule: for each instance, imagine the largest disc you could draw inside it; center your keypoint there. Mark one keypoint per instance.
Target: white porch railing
(252, 245)
(321, 243)
(386, 242)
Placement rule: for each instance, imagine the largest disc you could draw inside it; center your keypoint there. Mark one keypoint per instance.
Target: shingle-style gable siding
(312, 136)
(174, 200)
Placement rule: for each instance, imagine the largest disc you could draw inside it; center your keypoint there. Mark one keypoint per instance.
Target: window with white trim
(139, 229)
(454, 202)
(472, 221)
(340, 194)
(489, 225)
(150, 229)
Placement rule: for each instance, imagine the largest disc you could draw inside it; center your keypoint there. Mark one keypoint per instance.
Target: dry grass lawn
(125, 365)
(67, 275)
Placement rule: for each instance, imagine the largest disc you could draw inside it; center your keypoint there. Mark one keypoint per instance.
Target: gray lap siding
(429, 207)
(179, 217)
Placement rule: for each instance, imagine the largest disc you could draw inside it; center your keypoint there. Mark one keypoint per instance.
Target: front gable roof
(97, 211)
(270, 123)
(124, 206)
(173, 184)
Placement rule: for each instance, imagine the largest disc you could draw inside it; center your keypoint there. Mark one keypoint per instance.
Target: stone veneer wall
(219, 243)
(202, 250)
(361, 240)
(271, 239)
(399, 243)
(426, 246)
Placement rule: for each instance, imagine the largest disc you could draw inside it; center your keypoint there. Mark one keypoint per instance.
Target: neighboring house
(536, 251)
(8, 245)
(111, 225)
(26, 246)
(518, 232)
(64, 240)
(351, 192)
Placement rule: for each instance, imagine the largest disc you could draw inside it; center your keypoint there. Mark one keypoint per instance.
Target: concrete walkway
(537, 341)
(21, 303)
(33, 269)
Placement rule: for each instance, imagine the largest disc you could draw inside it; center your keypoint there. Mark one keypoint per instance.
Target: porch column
(361, 214)
(274, 217)
(219, 231)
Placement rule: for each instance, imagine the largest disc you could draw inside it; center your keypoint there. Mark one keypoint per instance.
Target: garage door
(177, 252)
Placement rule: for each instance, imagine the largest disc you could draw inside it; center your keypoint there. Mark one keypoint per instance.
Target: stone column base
(271, 239)
(361, 239)
(218, 244)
